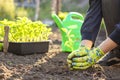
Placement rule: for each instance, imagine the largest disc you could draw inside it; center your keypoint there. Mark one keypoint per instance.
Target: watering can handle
(57, 20)
(76, 15)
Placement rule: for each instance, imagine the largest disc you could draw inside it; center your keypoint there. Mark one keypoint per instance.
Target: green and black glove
(85, 59)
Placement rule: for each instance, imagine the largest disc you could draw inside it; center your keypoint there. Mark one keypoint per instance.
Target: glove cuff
(85, 47)
(102, 53)
(99, 53)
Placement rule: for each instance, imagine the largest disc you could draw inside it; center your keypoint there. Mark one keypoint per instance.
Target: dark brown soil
(52, 65)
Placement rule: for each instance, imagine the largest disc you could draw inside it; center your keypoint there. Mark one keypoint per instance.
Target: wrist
(107, 45)
(86, 43)
(101, 51)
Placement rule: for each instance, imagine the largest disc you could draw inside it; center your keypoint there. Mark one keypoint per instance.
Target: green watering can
(70, 28)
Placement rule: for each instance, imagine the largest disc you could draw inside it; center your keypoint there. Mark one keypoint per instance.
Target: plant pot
(25, 48)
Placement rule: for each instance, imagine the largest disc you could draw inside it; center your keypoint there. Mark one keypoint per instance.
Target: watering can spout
(57, 20)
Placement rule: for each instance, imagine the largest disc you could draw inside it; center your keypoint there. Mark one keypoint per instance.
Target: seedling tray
(25, 48)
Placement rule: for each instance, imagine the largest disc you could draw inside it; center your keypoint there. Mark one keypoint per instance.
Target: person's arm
(115, 35)
(107, 45)
(112, 41)
(91, 25)
(92, 56)
(83, 60)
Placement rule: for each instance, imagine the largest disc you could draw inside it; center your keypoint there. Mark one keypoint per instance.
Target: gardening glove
(82, 51)
(84, 62)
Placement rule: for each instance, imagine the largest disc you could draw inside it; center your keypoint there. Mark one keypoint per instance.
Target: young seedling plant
(25, 30)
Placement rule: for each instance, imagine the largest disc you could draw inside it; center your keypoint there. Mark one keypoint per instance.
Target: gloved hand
(82, 51)
(84, 62)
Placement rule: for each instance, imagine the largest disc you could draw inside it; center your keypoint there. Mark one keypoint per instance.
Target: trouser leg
(111, 15)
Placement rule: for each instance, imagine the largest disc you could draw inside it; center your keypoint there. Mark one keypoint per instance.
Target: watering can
(70, 30)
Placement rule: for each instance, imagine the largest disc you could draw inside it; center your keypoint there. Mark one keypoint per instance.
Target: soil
(52, 65)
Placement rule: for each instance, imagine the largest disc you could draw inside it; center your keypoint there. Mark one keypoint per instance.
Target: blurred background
(40, 9)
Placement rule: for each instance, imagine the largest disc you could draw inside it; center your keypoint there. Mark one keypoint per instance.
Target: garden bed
(51, 65)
